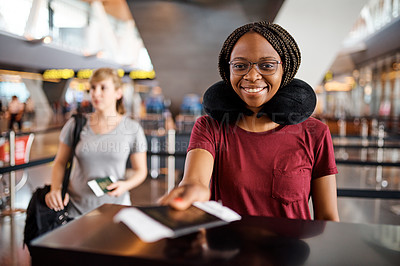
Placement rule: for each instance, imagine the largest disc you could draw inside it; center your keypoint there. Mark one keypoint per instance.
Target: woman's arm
(53, 198)
(324, 197)
(195, 183)
(139, 167)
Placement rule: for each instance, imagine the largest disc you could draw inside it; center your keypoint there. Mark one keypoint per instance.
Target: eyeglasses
(241, 67)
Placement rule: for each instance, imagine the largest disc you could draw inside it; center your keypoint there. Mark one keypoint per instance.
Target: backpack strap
(80, 121)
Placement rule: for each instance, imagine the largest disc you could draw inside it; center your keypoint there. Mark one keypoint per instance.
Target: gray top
(100, 155)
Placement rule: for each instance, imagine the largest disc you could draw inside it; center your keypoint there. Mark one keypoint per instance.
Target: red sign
(21, 148)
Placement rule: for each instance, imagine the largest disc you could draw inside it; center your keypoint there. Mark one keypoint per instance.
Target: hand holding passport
(156, 222)
(99, 185)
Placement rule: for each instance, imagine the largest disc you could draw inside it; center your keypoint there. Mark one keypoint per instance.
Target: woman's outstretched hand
(182, 197)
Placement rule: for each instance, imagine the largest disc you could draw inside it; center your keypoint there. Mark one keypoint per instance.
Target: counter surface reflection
(95, 240)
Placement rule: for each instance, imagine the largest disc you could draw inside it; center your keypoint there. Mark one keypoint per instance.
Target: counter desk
(94, 239)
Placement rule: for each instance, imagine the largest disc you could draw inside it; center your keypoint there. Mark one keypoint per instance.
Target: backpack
(40, 218)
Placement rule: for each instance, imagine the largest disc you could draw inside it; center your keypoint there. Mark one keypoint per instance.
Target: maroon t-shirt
(265, 173)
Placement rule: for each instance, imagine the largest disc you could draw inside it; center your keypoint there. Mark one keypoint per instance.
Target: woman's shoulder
(129, 124)
(207, 121)
(128, 119)
(316, 122)
(70, 122)
(314, 125)
(67, 131)
(80, 117)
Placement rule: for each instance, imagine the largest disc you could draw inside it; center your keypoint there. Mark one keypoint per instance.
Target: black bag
(40, 218)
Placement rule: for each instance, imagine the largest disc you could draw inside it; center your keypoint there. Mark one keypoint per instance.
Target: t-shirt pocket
(288, 186)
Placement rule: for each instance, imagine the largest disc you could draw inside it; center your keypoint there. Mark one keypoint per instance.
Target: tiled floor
(351, 210)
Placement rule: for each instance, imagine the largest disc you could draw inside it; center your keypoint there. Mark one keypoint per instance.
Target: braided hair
(278, 37)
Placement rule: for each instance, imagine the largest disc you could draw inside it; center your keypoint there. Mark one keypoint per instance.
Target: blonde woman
(107, 141)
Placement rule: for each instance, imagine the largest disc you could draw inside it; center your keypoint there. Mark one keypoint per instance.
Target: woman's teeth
(253, 90)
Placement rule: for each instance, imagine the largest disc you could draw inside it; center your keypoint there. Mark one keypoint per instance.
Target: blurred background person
(107, 141)
(15, 112)
(29, 112)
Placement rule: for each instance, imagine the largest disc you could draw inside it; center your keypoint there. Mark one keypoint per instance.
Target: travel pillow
(292, 104)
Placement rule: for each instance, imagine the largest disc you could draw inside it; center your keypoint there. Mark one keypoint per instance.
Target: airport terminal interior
(166, 53)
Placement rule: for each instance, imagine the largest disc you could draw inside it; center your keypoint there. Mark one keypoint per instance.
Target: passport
(152, 223)
(99, 185)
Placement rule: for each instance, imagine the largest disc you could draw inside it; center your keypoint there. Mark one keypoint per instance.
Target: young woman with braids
(107, 140)
(258, 151)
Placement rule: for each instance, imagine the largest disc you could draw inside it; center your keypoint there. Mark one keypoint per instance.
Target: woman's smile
(254, 88)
